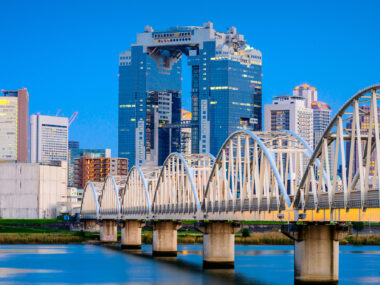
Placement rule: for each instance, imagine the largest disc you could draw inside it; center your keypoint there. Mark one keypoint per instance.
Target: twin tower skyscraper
(226, 82)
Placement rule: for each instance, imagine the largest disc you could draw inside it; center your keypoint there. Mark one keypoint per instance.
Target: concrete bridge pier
(131, 234)
(165, 238)
(90, 226)
(108, 231)
(316, 251)
(219, 244)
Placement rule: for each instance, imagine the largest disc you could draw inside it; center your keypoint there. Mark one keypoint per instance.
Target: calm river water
(91, 264)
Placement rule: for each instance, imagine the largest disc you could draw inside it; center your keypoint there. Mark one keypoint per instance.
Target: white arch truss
(352, 140)
(256, 172)
(109, 201)
(181, 184)
(90, 206)
(137, 194)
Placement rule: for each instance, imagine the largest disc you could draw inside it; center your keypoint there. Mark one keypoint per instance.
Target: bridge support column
(131, 235)
(108, 231)
(165, 238)
(316, 251)
(219, 244)
(90, 226)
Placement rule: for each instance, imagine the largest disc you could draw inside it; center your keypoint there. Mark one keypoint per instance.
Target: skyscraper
(163, 109)
(73, 145)
(14, 118)
(321, 111)
(225, 93)
(321, 119)
(308, 92)
(48, 138)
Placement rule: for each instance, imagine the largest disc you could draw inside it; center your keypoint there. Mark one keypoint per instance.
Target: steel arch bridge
(260, 176)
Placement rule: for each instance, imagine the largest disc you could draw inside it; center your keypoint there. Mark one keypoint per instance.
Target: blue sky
(66, 52)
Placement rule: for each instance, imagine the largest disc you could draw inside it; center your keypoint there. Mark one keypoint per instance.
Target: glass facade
(225, 95)
(137, 78)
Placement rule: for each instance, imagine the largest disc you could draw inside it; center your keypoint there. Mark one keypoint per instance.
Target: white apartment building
(48, 138)
(290, 113)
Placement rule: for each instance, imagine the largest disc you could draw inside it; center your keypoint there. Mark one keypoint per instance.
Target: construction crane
(72, 118)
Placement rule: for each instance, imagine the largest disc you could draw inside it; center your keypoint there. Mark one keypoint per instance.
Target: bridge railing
(181, 183)
(256, 172)
(351, 140)
(137, 194)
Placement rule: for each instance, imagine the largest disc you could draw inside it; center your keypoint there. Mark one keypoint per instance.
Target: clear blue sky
(66, 52)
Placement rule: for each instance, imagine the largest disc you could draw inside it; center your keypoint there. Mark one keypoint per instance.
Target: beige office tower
(14, 121)
(49, 139)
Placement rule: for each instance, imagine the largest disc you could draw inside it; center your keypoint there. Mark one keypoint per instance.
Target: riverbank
(51, 231)
(54, 232)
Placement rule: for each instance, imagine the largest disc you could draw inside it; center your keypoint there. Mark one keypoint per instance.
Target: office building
(32, 190)
(163, 109)
(321, 119)
(48, 138)
(73, 145)
(308, 92)
(75, 153)
(321, 110)
(97, 169)
(185, 133)
(14, 124)
(289, 113)
(225, 87)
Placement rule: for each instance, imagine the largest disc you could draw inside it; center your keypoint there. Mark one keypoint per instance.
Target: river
(92, 264)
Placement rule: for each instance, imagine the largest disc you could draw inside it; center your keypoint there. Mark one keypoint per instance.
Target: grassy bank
(361, 240)
(38, 238)
(34, 232)
(273, 238)
(268, 238)
(37, 232)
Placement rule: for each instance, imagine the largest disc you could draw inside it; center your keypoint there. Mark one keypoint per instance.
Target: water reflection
(7, 272)
(90, 264)
(39, 250)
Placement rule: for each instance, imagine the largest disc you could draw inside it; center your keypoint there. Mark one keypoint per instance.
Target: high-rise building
(321, 111)
(225, 93)
(97, 169)
(321, 119)
(48, 138)
(308, 92)
(289, 113)
(185, 133)
(75, 153)
(73, 145)
(14, 118)
(163, 109)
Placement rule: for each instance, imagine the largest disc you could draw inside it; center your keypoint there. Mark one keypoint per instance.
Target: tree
(245, 233)
(358, 227)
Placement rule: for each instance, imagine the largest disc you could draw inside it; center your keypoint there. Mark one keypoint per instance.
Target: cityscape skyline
(309, 53)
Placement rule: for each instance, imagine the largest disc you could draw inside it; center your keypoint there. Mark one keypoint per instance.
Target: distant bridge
(258, 176)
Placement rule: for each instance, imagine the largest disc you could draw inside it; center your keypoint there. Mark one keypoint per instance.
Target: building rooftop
(305, 86)
(317, 105)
